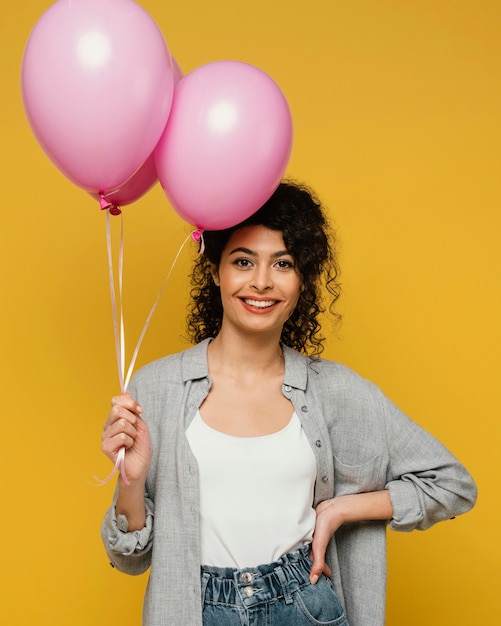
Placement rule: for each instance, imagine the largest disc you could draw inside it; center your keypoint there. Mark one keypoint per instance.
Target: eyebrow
(250, 252)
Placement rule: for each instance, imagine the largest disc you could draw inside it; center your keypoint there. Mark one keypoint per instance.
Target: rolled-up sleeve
(129, 552)
(426, 483)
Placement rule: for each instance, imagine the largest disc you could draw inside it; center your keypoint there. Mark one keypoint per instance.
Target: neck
(250, 354)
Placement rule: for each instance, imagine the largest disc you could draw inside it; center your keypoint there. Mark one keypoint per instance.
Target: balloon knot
(106, 205)
(198, 237)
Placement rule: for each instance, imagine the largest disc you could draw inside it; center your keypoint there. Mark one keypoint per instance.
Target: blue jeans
(278, 594)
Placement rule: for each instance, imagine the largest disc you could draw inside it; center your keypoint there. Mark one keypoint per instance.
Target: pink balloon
(137, 185)
(97, 84)
(140, 182)
(226, 144)
(178, 72)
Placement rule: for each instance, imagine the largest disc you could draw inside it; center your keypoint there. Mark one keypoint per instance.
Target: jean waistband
(252, 585)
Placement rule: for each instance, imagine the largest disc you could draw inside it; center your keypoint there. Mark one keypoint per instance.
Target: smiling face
(258, 280)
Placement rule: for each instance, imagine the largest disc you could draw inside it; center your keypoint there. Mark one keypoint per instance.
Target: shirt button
(287, 388)
(325, 479)
(246, 577)
(304, 409)
(318, 443)
(249, 591)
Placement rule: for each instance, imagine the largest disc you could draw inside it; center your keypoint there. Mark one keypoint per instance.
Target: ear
(215, 274)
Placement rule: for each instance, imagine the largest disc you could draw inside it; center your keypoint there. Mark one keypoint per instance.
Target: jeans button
(249, 591)
(246, 577)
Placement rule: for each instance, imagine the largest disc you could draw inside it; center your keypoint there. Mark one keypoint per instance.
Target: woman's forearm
(375, 505)
(130, 502)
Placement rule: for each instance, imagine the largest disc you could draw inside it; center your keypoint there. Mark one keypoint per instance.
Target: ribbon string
(150, 314)
(119, 325)
(118, 322)
(119, 466)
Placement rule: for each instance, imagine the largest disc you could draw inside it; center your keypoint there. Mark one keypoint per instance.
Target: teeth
(260, 304)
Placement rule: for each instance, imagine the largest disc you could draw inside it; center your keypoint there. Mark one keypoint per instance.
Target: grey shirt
(362, 442)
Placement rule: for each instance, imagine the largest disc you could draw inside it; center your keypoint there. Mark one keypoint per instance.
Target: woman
(262, 477)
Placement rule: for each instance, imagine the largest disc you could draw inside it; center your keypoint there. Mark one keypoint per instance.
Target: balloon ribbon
(118, 318)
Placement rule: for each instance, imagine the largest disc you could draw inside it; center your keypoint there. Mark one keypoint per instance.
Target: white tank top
(256, 494)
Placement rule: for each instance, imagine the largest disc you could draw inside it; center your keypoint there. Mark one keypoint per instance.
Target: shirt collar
(296, 368)
(194, 365)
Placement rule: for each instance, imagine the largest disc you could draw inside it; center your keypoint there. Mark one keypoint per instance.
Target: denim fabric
(270, 595)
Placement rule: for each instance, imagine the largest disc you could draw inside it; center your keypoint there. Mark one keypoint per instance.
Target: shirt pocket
(358, 478)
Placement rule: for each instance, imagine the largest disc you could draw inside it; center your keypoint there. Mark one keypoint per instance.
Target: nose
(261, 279)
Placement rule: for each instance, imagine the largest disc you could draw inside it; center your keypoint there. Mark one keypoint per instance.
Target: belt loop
(204, 582)
(285, 586)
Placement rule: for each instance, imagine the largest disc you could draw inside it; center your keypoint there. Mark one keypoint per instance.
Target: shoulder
(339, 377)
(331, 376)
(178, 367)
(334, 384)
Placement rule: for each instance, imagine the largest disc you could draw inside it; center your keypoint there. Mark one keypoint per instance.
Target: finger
(120, 433)
(118, 413)
(315, 573)
(128, 402)
(111, 443)
(317, 565)
(124, 425)
(319, 544)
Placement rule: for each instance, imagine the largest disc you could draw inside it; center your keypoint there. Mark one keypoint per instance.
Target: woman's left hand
(331, 514)
(325, 526)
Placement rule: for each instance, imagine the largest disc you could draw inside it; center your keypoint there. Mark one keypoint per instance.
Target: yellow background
(397, 126)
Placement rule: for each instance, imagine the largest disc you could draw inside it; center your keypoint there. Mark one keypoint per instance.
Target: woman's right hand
(125, 428)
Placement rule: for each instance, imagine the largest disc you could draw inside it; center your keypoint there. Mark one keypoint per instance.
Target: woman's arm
(423, 482)
(125, 428)
(331, 514)
(426, 483)
(130, 503)
(127, 529)
(129, 552)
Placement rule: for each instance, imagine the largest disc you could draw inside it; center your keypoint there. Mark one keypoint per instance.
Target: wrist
(133, 484)
(372, 505)
(344, 508)
(340, 511)
(130, 506)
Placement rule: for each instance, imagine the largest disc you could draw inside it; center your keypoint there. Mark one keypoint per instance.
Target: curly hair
(294, 211)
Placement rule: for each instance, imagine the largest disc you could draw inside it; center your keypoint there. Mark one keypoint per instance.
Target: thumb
(318, 558)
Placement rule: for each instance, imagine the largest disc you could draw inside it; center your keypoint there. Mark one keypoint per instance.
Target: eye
(283, 264)
(243, 263)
